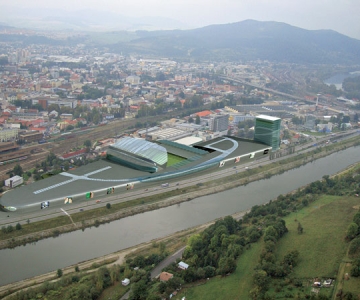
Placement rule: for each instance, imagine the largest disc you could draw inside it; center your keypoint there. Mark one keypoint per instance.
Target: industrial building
(218, 123)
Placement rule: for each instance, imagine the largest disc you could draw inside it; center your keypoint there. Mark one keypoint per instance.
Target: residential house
(183, 266)
(165, 276)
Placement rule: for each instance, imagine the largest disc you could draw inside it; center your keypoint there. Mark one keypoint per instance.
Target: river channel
(71, 248)
(338, 79)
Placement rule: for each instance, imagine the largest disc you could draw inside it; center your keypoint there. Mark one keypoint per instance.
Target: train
(13, 160)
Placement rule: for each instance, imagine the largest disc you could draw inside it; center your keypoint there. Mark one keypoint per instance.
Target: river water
(71, 248)
(338, 79)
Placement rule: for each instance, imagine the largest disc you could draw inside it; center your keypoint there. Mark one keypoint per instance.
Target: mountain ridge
(243, 41)
(251, 40)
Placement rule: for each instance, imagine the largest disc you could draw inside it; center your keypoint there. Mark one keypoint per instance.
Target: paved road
(167, 261)
(155, 189)
(157, 270)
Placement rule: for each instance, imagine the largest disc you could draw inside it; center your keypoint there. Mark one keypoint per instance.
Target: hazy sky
(340, 15)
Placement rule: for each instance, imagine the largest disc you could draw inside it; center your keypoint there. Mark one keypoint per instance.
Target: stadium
(134, 163)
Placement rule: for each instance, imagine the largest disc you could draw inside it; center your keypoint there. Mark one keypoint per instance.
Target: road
(158, 269)
(155, 188)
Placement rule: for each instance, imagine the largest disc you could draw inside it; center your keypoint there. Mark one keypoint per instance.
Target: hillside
(242, 41)
(249, 40)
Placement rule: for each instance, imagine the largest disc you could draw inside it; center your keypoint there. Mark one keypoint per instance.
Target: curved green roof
(143, 148)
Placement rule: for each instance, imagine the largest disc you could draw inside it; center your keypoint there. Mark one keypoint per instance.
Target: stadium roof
(143, 148)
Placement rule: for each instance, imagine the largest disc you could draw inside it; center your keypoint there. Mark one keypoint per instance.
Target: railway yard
(30, 155)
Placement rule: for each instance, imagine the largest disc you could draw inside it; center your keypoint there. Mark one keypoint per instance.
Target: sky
(339, 15)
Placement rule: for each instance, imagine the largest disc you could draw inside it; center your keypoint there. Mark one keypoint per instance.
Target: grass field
(174, 159)
(235, 287)
(322, 246)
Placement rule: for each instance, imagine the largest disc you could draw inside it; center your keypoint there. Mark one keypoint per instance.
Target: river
(338, 79)
(71, 248)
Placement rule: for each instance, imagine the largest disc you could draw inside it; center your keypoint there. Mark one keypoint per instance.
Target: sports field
(174, 159)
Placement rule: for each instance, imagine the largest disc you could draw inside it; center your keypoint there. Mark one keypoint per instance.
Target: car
(45, 204)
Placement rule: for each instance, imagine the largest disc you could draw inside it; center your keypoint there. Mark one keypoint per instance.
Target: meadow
(322, 247)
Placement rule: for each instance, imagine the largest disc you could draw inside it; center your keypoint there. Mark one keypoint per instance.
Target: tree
(352, 231)
(87, 143)
(18, 170)
(356, 219)
(59, 273)
(191, 120)
(291, 258)
(261, 280)
(139, 291)
(108, 205)
(226, 265)
(271, 234)
(18, 226)
(197, 120)
(286, 134)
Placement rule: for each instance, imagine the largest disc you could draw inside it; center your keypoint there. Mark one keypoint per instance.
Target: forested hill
(249, 40)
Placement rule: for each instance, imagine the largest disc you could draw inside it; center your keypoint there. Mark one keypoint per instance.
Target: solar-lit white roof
(143, 148)
(190, 140)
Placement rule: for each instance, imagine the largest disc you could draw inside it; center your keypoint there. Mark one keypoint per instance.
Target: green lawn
(174, 159)
(322, 245)
(235, 286)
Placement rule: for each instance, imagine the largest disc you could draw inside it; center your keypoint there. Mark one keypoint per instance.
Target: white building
(14, 181)
(133, 79)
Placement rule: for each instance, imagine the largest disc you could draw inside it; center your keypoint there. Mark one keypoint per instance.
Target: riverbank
(178, 208)
(179, 195)
(173, 242)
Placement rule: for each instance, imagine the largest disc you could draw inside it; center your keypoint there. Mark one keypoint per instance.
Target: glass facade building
(138, 154)
(267, 130)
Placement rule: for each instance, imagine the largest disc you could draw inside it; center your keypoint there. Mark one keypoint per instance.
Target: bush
(59, 273)
(354, 247)
(10, 228)
(355, 270)
(18, 226)
(108, 205)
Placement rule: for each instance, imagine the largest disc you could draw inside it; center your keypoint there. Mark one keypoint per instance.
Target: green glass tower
(267, 130)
